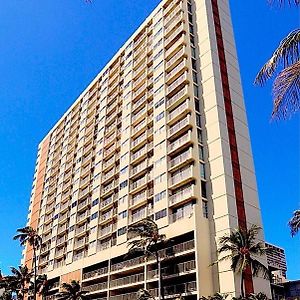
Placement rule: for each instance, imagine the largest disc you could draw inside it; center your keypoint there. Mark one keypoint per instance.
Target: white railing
(183, 139)
(181, 175)
(174, 71)
(179, 125)
(178, 110)
(181, 158)
(177, 82)
(181, 194)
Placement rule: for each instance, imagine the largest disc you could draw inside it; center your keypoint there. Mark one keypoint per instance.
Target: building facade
(161, 132)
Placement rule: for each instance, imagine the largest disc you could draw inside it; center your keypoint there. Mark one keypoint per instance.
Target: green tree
(217, 296)
(19, 281)
(284, 65)
(146, 240)
(43, 285)
(29, 235)
(71, 291)
(241, 248)
(294, 223)
(143, 294)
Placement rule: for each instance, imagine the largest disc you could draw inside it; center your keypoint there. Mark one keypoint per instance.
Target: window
(196, 91)
(95, 202)
(157, 66)
(160, 178)
(202, 170)
(197, 106)
(201, 152)
(74, 204)
(159, 116)
(160, 76)
(198, 120)
(157, 44)
(160, 196)
(161, 214)
(159, 90)
(123, 214)
(123, 184)
(72, 228)
(159, 161)
(158, 55)
(205, 209)
(199, 135)
(94, 216)
(55, 217)
(195, 78)
(122, 199)
(123, 170)
(122, 231)
(159, 103)
(203, 189)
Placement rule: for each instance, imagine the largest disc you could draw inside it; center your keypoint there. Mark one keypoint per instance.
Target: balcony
(64, 206)
(178, 112)
(173, 23)
(182, 195)
(139, 114)
(107, 230)
(109, 174)
(127, 264)
(181, 214)
(181, 176)
(180, 126)
(133, 279)
(180, 80)
(63, 218)
(108, 215)
(140, 182)
(80, 243)
(172, 14)
(179, 29)
(83, 217)
(106, 244)
(79, 256)
(59, 253)
(183, 158)
(139, 153)
(176, 71)
(95, 273)
(107, 201)
(62, 228)
(139, 215)
(108, 188)
(180, 142)
(140, 167)
(61, 241)
(84, 192)
(95, 287)
(108, 163)
(139, 102)
(83, 204)
(81, 230)
(177, 290)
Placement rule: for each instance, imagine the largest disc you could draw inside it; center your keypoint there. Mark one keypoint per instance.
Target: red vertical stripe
(240, 205)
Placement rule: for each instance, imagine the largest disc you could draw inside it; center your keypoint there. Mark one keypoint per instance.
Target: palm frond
(287, 53)
(286, 90)
(259, 268)
(294, 223)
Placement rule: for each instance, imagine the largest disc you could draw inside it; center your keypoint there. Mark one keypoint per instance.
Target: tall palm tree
(71, 291)
(19, 281)
(29, 235)
(43, 285)
(147, 240)
(286, 86)
(294, 223)
(241, 248)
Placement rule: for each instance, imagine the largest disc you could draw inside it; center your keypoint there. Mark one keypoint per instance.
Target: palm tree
(29, 235)
(146, 240)
(42, 285)
(72, 291)
(217, 296)
(19, 281)
(286, 86)
(240, 247)
(143, 294)
(294, 223)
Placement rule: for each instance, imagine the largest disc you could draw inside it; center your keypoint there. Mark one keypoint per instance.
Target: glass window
(95, 202)
(122, 231)
(205, 209)
(94, 216)
(123, 184)
(161, 214)
(203, 189)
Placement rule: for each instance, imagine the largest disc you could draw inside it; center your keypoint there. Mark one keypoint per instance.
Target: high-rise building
(161, 132)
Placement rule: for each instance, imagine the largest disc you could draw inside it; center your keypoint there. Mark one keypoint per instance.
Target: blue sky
(51, 49)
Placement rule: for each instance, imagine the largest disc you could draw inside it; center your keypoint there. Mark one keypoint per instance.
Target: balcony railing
(141, 214)
(95, 273)
(95, 287)
(177, 82)
(177, 143)
(181, 175)
(174, 71)
(127, 280)
(181, 108)
(174, 34)
(182, 123)
(181, 214)
(182, 194)
(181, 158)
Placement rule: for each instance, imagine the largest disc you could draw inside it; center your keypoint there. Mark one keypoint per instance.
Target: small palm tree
(286, 86)
(241, 248)
(29, 235)
(147, 240)
(294, 223)
(19, 281)
(143, 294)
(72, 291)
(217, 296)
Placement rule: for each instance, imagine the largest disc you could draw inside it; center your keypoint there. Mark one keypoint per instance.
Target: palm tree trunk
(160, 287)
(242, 285)
(34, 272)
